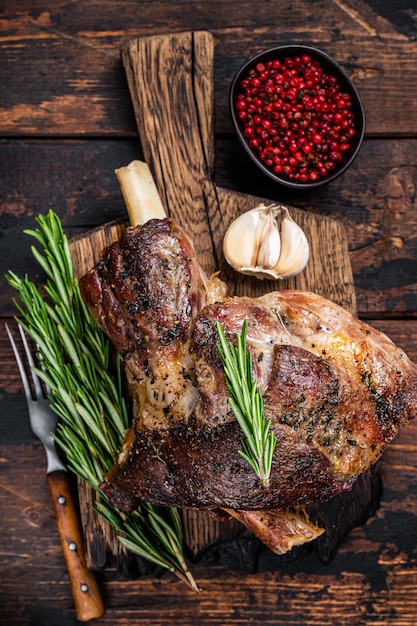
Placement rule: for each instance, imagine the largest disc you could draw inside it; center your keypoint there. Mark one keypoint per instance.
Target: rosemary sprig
(247, 403)
(86, 393)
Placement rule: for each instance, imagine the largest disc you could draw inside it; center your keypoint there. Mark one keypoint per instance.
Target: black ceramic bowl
(302, 104)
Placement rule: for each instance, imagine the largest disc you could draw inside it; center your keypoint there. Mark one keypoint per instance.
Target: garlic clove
(295, 250)
(241, 241)
(265, 242)
(270, 243)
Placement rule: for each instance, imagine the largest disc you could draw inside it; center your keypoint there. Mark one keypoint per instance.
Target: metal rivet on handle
(72, 546)
(84, 587)
(62, 499)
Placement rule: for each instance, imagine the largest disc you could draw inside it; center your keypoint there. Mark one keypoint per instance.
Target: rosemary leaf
(113, 414)
(42, 261)
(246, 402)
(69, 347)
(86, 395)
(38, 235)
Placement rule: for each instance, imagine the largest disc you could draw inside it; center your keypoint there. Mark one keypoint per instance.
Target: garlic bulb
(265, 242)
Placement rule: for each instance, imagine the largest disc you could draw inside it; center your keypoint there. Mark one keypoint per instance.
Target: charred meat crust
(336, 390)
(146, 288)
(203, 469)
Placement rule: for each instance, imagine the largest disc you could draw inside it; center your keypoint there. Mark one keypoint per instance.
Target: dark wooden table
(66, 123)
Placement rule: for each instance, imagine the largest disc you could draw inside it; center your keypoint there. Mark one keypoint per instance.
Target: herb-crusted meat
(336, 390)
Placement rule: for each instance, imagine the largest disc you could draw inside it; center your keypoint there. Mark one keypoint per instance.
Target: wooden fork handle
(84, 587)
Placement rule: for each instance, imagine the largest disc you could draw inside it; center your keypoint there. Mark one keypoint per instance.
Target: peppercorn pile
(296, 118)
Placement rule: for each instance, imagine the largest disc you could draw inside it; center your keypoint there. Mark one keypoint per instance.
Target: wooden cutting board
(170, 80)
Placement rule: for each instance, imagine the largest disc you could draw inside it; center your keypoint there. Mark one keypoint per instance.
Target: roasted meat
(336, 390)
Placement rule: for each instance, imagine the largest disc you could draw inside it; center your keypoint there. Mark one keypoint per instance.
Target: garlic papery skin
(265, 242)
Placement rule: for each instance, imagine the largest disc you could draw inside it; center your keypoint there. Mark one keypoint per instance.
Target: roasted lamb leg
(336, 390)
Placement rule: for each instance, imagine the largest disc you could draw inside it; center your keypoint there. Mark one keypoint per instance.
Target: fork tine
(22, 370)
(47, 387)
(35, 378)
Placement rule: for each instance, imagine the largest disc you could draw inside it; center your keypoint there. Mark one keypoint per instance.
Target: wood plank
(372, 578)
(61, 72)
(62, 76)
(374, 201)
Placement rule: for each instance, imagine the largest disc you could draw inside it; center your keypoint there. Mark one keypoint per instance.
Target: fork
(43, 420)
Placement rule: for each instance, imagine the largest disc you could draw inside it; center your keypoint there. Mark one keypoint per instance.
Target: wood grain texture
(84, 588)
(375, 201)
(371, 580)
(170, 79)
(66, 122)
(68, 56)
